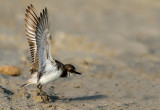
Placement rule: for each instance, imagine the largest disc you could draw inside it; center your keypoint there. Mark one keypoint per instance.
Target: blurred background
(114, 43)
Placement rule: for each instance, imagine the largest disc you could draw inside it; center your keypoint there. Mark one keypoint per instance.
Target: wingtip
(45, 8)
(31, 5)
(41, 14)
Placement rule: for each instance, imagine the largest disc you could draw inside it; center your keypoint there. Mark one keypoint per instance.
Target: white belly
(52, 73)
(50, 76)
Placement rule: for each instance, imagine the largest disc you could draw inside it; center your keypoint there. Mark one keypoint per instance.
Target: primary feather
(31, 21)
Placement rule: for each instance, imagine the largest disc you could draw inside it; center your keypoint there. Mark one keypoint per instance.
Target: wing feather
(37, 29)
(31, 21)
(43, 39)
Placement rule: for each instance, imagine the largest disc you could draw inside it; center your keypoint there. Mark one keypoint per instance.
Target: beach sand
(115, 44)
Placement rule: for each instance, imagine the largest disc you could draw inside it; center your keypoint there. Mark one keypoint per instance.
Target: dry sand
(114, 43)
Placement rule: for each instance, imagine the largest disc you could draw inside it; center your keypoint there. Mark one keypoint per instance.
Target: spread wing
(31, 21)
(43, 40)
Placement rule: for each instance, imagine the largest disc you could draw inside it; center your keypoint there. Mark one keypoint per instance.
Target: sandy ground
(114, 43)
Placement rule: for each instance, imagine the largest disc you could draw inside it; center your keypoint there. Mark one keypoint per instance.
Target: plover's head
(71, 70)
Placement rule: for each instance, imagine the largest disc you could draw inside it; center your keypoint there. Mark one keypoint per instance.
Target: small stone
(10, 70)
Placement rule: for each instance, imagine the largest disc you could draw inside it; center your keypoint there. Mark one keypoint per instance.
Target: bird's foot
(44, 97)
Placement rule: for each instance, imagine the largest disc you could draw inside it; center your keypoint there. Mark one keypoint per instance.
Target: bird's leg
(43, 95)
(39, 86)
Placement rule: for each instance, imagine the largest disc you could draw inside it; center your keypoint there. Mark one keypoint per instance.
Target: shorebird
(44, 68)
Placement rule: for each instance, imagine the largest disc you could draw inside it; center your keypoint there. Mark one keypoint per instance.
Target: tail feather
(32, 80)
(25, 84)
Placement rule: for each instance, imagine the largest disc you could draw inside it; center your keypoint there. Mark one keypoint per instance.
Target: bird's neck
(62, 67)
(64, 73)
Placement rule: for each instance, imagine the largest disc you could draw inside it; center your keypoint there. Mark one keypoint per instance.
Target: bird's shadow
(92, 97)
(6, 91)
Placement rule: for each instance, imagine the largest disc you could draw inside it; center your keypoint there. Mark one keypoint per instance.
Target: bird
(44, 68)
